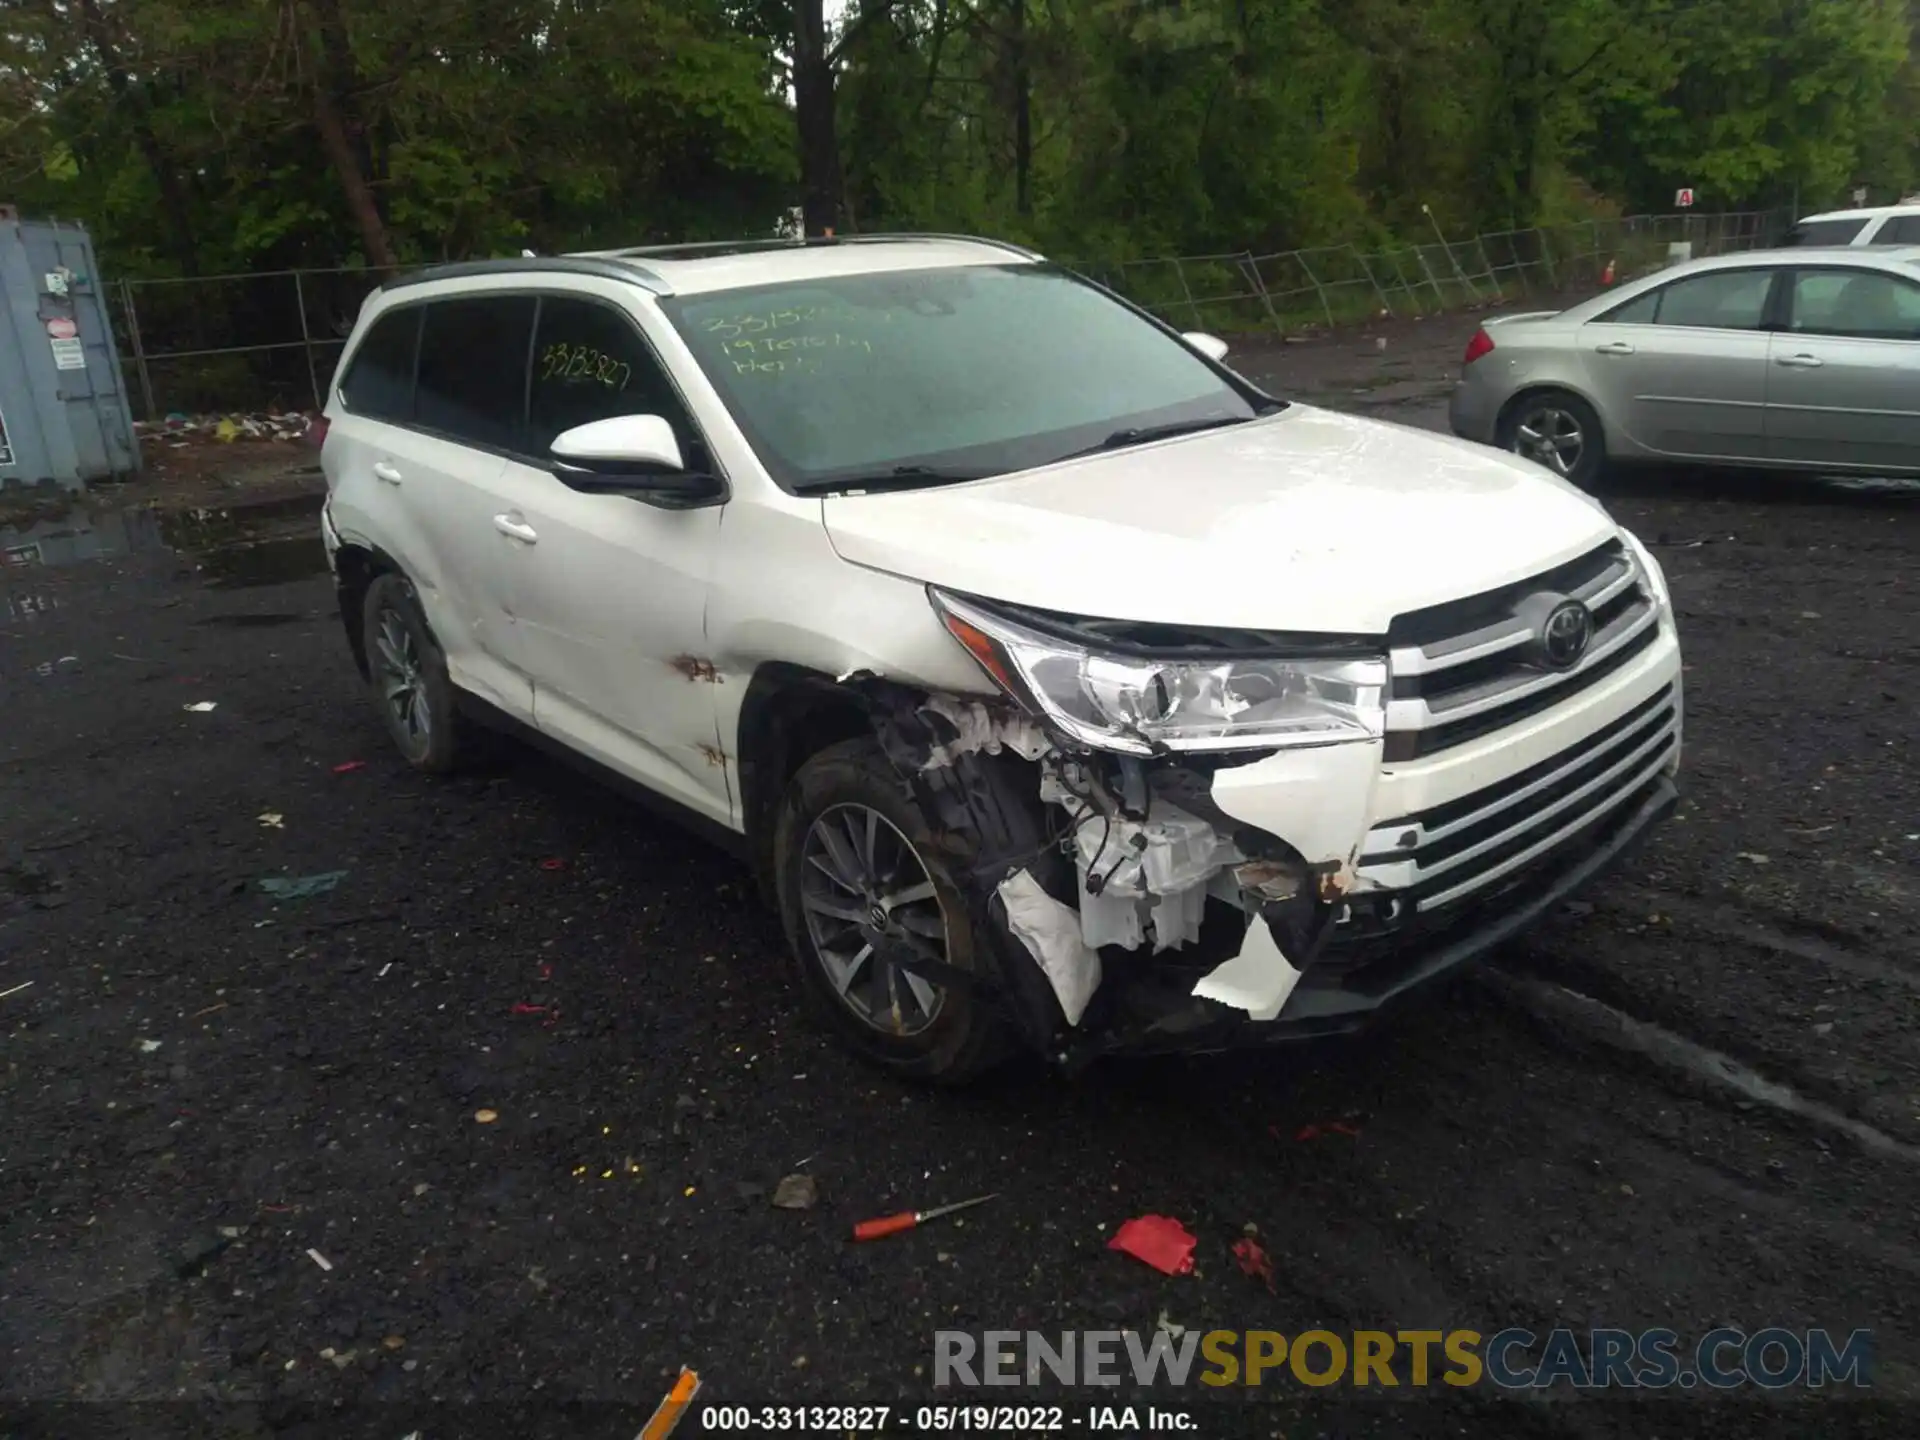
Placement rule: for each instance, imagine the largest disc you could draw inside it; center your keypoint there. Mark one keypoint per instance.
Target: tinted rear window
(473, 369)
(1901, 230)
(379, 379)
(1826, 232)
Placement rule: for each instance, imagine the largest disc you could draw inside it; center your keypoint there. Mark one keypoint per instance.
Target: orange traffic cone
(1606, 275)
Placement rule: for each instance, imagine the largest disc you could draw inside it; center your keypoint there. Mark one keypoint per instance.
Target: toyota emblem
(1565, 633)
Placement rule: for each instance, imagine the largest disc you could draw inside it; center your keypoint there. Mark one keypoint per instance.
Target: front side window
(1815, 233)
(943, 374)
(1864, 304)
(473, 367)
(379, 378)
(590, 363)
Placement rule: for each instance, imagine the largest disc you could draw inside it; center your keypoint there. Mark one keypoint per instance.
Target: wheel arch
(355, 567)
(790, 713)
(1612, 441)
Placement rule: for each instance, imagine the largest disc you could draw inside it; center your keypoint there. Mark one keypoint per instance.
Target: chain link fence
(270, 340)
(1293, 290)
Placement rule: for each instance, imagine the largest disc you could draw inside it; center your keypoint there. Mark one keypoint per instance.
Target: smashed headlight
(1652, 577)
(1142, 705)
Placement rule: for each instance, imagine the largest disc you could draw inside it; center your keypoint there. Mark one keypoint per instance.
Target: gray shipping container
(64, 414)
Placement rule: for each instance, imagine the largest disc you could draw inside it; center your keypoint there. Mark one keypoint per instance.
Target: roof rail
(602, 267)
(697, 248)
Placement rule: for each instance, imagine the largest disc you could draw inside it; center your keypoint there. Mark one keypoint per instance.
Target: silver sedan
(1794, 359)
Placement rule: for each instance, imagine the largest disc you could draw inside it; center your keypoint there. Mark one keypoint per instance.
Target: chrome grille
(1465, 669)
(1460, 848)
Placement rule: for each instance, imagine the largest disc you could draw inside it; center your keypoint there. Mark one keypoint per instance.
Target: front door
(610, 593)
(1683, 369)
(1845, 388)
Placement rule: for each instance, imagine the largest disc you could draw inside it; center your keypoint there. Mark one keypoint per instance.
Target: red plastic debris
(347, 766)
(554, 864)
(1252, 1260)
(521, 1008)
(1314, 1132)
(1162, 1243)
(546, 972)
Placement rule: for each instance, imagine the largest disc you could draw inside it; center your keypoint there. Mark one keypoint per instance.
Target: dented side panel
(814, 611)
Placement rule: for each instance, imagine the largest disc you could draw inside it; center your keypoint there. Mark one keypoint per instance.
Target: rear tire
(1558, 431)
(409, 679)
(859, 875)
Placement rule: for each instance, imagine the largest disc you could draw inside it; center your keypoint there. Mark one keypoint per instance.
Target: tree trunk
(353, 180)
(1022, 109)
(175, 205)
(814, 114)
(335, 79)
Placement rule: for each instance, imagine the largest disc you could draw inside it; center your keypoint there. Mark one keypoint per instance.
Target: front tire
(1559, 431)
(409, 678)
(860, 880)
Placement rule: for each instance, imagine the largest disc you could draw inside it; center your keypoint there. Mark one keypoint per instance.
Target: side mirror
(1211, 346)
(634, 455)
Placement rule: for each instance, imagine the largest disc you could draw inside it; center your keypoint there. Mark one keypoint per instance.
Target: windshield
(934, 376)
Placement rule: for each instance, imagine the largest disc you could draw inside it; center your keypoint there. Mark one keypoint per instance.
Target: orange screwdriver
(893, 1224)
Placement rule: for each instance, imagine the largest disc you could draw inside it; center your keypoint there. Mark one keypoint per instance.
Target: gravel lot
(204, 1086)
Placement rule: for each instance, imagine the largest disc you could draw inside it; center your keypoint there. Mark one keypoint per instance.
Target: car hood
(1306, 520)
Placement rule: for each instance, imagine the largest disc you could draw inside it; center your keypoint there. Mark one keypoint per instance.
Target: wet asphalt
(481, 1137)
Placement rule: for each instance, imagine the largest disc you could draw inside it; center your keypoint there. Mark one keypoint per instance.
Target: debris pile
(180, 430)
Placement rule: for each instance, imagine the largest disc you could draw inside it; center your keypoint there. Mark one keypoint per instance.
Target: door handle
(384, 471)
(1800, 362)
(507, 525)
(1613, 347)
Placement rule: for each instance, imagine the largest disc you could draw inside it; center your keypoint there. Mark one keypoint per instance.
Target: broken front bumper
(1363, 971)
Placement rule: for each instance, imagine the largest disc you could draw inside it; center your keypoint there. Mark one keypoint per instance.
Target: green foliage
(190, 133)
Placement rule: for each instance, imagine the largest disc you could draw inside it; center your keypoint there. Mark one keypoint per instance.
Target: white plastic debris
(147, 1047)
(1051, 933)
(1157, 870)
(272, 820)
(23, 985)
(1258, 980)
(319, 1259)
(201, 707)
(982, 729)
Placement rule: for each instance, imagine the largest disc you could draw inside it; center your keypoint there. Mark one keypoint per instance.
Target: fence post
(306, 341)
(1546, 257)
(1486, 267)
(1252, 267)
(1439, 295)
(1367, 270)
(1193, 309)
(1519, 265)
(1314, 280)
(1400, 274)
(128, 309)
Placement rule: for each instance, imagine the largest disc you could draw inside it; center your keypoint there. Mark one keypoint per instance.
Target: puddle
(232, 548)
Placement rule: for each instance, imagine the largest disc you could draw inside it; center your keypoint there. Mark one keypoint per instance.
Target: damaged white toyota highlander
(1065, 690)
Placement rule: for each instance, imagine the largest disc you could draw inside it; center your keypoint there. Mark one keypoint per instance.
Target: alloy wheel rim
(1551, 437)
(403, 682)
(869, 902)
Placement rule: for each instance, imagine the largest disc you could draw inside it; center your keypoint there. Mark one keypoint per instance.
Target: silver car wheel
(403, 683)
(1551, 437)
(867, 897)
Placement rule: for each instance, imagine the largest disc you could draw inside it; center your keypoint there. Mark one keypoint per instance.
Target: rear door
(415, 457)
(1845, 388)
(1682, 369)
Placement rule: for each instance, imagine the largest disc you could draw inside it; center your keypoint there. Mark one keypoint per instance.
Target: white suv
(1882, 225)
(1064, 690)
